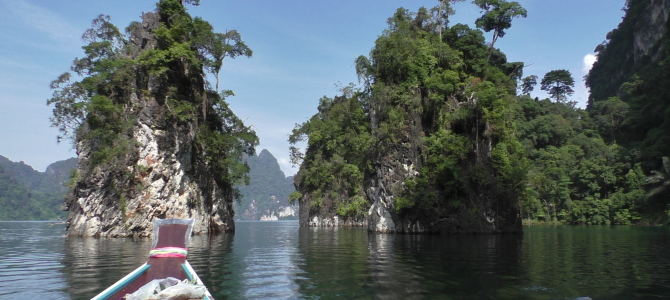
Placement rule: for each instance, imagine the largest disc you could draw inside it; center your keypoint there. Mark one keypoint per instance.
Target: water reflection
(392, 272)
(350, 263)
(259, 261)
(90, 265)
(425, 266)
(603, 262)
(334, 263)
(279, 260)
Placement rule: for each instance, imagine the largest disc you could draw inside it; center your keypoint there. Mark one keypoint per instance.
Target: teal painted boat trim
(187, 272)
(122, 283)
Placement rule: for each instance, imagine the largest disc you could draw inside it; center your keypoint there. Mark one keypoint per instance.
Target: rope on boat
(168, 252)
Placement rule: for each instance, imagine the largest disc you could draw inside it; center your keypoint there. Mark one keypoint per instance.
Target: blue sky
(302, 50)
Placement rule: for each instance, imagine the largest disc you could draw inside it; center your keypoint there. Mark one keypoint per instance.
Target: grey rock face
(651, 29)
(395, 166)
(165, 177)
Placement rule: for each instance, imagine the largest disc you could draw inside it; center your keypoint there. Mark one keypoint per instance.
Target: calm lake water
(280, 260)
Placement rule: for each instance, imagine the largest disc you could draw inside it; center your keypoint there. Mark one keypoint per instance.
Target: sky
(303, 50)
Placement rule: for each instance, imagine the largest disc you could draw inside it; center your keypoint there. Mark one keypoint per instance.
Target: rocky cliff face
(639, 40)
(488, 211)
(483, 207)
(650, 29)
(164, 175)
(400, 162)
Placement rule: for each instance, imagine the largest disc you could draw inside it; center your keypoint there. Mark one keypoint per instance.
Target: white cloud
(588, 61)
(286, 166)
(581, 91)
(43, 20)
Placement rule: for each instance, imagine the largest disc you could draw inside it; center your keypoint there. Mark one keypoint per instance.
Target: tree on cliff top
(528, 84)
(497, 17)
(558, 83)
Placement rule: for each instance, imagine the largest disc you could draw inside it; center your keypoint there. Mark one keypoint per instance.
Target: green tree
(497, 17)
(528, 84)
(610, 115)
(214, 47)
(575, 176)
(558, 84)
(443, 12)
(336, 160)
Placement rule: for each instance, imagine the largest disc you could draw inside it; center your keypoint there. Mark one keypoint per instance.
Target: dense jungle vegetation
(450, 91)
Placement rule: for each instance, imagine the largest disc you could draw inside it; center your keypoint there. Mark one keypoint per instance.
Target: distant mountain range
(27, 194)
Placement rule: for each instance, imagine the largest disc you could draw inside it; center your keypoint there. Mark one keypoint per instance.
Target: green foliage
(338, 139)
(222, 148)
(92, 109)
(158, 61)
(638, 79)
(181, 110)
(422, 89)
(528, 84)
(609, 115)
(574, 175)
(628, 100)
(356, 206)
(498, 15)
(74, 177)
(446, 93)
(294, 196)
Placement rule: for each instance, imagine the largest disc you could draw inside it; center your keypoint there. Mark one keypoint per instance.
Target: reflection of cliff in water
(335, 262)
(391, 270)
(90, 265)
(208, 256)
(351, 263)
(279, 260)
(259, 261)
(419, 266)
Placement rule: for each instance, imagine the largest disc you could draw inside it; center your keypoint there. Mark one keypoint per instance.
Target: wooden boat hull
(133, 281)
(173, 233)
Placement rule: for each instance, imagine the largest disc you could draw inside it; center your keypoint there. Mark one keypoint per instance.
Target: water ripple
(30, 257)
(279, 260)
